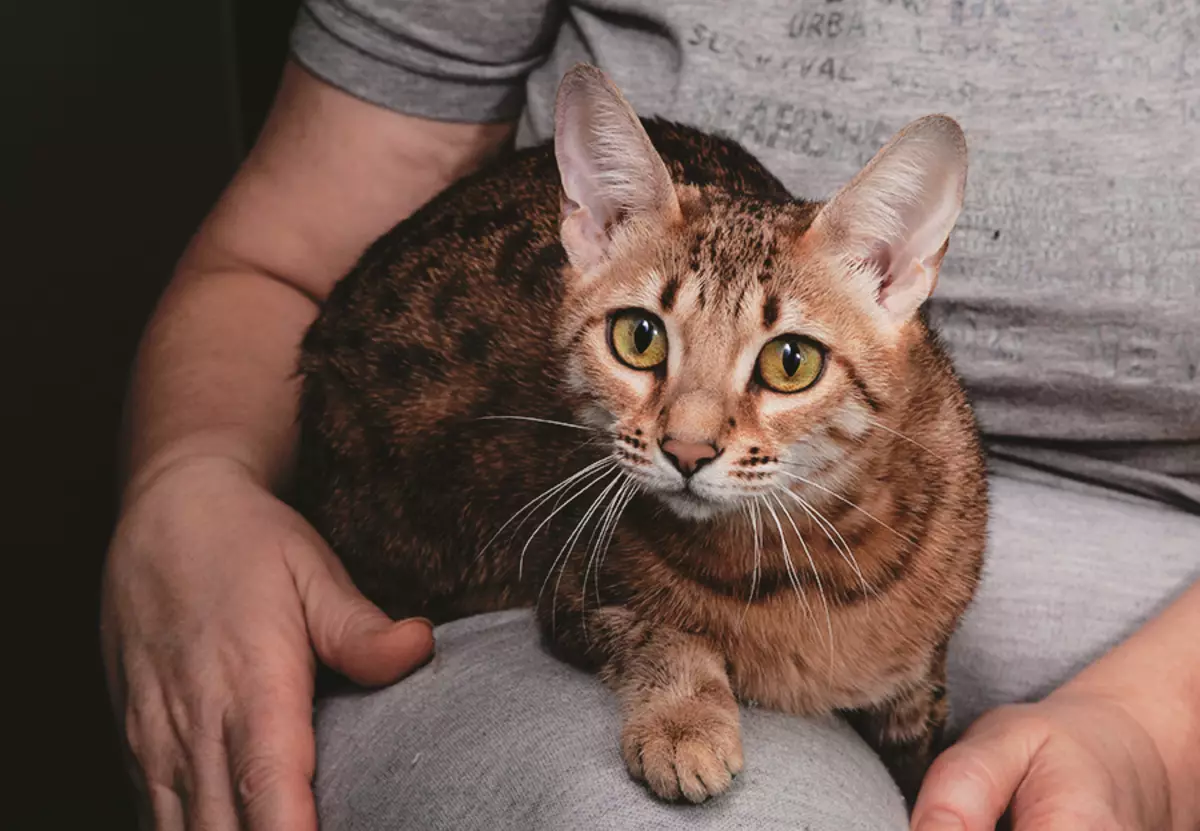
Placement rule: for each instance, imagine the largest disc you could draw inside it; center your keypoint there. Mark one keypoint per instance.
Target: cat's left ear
(611, 173)
(895, 216)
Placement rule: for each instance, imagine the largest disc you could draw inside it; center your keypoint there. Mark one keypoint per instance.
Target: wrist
(218, 451)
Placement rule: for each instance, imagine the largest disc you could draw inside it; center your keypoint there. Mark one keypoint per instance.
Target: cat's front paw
(688, 747)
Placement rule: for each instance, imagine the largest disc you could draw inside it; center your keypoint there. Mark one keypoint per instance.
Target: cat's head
(730, 344)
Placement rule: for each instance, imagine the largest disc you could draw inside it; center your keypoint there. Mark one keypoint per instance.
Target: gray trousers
(495, 734)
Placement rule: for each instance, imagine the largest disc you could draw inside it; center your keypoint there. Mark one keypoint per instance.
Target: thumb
(351, 634)
(970, 785)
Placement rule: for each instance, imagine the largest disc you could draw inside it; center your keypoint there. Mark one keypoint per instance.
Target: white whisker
(521, 561)
(538, 421)
(545, 496)
(793, 577)
(598, 528)
(622, 503)
(564, 552)
(853, 505)
(752, 514)
(787, 554)
(900, 435)
(623, 482)
(817, 577)
(844, 551)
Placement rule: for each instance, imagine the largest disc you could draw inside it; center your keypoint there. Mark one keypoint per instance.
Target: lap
(495, 733)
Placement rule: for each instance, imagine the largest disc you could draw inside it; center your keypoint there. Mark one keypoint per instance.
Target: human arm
(1118, 746)
(214, 589)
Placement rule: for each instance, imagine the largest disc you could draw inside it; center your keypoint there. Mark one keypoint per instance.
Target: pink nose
(688, 456)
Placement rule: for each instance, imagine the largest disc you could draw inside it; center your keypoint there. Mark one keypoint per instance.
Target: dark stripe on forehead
(714, 242)
(768, 266)
(770, 311)
(669, 293)
(737, 305)
(694, 254)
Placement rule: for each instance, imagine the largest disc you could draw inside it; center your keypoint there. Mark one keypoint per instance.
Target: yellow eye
(638, 339)
(790, 363)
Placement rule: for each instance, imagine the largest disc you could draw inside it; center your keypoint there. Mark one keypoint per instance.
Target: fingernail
(424, 620)
(940, 820)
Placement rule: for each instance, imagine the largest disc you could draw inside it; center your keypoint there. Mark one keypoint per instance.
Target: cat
(627, 379)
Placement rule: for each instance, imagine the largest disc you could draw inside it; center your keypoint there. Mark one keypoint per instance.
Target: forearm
(216, 371)
(215, 374)
(1155, 675)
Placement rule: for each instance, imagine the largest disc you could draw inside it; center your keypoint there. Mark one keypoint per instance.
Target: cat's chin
(691, 507)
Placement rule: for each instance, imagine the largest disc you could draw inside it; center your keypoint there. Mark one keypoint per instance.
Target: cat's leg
(906, 730)
(680, 732)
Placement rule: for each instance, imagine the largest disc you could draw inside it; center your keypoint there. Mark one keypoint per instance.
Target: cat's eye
(638, 339)
(790, 363)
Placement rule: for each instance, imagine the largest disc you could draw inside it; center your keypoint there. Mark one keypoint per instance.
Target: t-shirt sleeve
(451, 60)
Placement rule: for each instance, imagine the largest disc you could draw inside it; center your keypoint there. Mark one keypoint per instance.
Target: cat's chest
(800, 661)
(799, 653)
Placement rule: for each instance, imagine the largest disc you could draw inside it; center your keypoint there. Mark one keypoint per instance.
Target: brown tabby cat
(699, 425)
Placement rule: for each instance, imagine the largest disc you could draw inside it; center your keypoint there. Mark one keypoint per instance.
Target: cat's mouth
(689, 504)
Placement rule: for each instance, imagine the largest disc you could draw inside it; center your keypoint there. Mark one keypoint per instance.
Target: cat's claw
(689, 749)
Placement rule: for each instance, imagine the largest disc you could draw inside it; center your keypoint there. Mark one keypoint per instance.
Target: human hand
(215, 595)
(1077, 761)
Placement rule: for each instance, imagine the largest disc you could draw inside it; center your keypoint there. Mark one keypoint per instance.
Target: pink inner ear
(583, 238)
(905, 288)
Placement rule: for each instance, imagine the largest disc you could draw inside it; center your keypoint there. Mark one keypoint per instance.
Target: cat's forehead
(733, 249)
(733, 226)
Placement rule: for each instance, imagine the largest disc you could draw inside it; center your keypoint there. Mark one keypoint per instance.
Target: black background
(120, 122)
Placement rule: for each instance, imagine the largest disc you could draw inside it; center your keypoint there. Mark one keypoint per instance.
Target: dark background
(120, 122)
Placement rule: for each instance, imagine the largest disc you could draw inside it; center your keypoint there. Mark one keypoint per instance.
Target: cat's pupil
(643, 335)
(791, 358)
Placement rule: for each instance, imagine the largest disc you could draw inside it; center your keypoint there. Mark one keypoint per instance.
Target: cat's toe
(703, 770)
(690, 752)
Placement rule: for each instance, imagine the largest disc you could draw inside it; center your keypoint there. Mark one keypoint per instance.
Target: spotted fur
(683, 602)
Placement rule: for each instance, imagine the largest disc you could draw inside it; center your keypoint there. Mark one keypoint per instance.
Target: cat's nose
(688, 456)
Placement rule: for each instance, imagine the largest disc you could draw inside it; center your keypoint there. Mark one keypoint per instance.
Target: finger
(141, 792)
(969, 786)
(350, 633)
(271, 762)
(166, 806)
(154, 760)
(211, 807)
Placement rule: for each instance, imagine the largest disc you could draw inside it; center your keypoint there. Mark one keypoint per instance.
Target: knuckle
(180, 716)
(257, 776)
(961, 763)
(350, 623)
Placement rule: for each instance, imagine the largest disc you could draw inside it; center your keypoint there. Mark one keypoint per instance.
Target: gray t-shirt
(1071, 293)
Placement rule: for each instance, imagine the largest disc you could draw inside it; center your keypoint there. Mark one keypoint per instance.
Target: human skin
(217, 597)
(1117, 747)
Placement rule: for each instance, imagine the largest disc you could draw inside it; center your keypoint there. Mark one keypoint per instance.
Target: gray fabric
(1071, 571)
(1070, 296)
(495, 734)
(454, 61)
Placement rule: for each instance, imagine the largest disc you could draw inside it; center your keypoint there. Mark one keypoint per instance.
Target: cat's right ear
(891, 224)
(611, 173)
